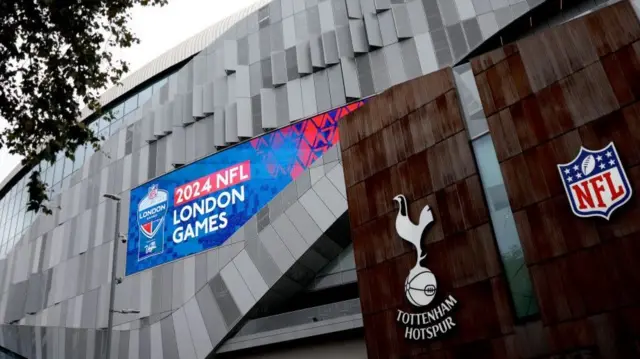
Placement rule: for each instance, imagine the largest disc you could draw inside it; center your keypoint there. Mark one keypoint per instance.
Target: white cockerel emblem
(420, 285)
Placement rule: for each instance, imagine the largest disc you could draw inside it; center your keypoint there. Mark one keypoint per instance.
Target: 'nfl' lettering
(585, 191)
(595, 182)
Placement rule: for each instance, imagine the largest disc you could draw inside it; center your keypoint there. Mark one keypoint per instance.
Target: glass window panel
(16, 202)
(43, 166)
(49, 177)
(57, 176)
(159, 84)
(27, 217)
(95, 125)
(145, 95)
(104, 133)
(115, 126)
(68, 167)
(25, 222)
(263, 16)
(20, 222)
(470, 100)
(102, 123)
(89, 153)
(504, 226)
(27, 177)
(79, 157)
(2, 217)
(12, 226)
(22, 182)
(131, 104)
(118, 111)
(7, 234)
(349, 261)
(25, 196)
(56, 188)
(19, 202)
(10, 244)
(10, 207)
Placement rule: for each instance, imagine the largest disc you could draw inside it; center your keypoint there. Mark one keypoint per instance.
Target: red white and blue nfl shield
(595, 182)
(152, 210)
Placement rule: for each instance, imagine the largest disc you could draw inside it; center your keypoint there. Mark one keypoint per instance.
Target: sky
(159, 29)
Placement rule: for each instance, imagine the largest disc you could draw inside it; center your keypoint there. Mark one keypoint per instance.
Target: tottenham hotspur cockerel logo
(421, 285)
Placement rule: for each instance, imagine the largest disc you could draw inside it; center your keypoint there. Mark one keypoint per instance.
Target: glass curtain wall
(14, 218)
(504, 227)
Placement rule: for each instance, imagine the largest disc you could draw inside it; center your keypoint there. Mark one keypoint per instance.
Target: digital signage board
(201, 205)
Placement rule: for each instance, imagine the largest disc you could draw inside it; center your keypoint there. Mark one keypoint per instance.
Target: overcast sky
(159, 29)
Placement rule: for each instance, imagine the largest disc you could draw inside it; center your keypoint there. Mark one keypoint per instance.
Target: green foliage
(55, 58)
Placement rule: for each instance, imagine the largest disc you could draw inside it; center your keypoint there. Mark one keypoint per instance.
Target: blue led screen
(201, 205)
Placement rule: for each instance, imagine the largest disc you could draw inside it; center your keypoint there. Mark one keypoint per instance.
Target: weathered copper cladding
(544, 96)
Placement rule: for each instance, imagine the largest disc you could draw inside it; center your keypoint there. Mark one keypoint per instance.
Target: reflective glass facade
(14, 218)
(504, 227)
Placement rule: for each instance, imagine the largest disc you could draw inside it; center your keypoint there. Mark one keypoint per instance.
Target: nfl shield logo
(151, 213)
(595, 182)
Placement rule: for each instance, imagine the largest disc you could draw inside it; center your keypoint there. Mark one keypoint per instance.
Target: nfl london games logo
(595, 182)
(152, 210)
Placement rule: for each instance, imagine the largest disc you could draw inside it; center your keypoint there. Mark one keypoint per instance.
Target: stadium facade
(276, 173)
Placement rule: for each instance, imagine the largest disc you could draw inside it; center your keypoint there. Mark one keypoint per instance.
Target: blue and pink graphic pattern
(276, 159)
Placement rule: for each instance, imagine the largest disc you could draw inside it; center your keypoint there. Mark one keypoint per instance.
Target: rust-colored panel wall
(411, 140)
(544, 97)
